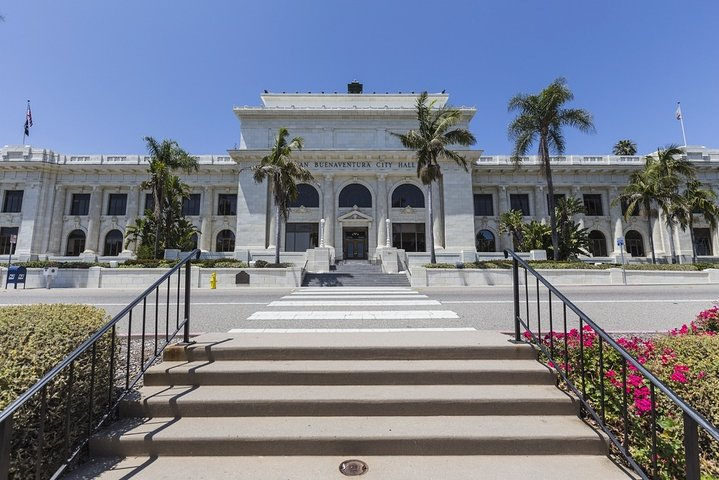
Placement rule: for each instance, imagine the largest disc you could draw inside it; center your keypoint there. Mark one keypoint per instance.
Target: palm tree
(624, 148)
(695, 200)
(642, 190)
(435, 133)
(282, 173)
(670, 167)
(166, 157)
(540, 119)
(511, 222)
(566, 209)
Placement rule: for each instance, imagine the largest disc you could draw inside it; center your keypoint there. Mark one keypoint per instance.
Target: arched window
(355, 194)
(485, 241)
(225, 241)
(634, 243)
(307, 196)
(407, 195)
(75, 243)
(597, 244)
(113, 243)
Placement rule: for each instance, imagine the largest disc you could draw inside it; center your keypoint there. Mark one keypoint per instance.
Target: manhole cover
(353, 468)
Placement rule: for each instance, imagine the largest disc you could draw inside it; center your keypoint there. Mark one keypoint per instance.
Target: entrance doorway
(354, 243)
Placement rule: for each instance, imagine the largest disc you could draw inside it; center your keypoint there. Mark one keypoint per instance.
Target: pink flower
(635, 380)
(643, 404)
(701, 375)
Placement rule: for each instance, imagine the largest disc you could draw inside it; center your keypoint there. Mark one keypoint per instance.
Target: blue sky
(101, 75)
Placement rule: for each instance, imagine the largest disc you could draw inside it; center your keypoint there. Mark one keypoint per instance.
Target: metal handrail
(40, 385)
(692, 418)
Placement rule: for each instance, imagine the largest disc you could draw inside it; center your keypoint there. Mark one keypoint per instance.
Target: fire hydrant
(213, 280)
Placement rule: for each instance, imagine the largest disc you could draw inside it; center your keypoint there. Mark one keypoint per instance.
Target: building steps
(355, 273)
(409, 404)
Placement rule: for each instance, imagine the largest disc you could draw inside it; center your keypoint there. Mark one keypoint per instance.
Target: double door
(354, 243)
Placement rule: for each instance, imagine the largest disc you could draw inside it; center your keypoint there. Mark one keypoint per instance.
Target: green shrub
(45, 264)
(148, 263)
(221, 263)
(552, 265)
(261, 263)
(35, 338)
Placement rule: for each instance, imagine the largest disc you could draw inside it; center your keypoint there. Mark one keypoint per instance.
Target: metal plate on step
(352, 468)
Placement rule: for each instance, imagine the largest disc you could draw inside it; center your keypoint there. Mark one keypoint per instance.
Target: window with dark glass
(483, 205)
(113, 243)
(13, 201)
(703, 241)
(407, 195)
(557, 198)
(307, 196)
(149, 202)
(485, 241)
(75, 243)
(117, 204)
(225, 241)
(519, 201)
(301, 236)
(634, 243)
(227, 204)
(593, 205)
(80, 204)
(355, 194)
(409, 236)
(7, 248)
(191, 205)
(597, 244)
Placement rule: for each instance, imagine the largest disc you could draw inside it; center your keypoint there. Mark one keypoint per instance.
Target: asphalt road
(615, 308)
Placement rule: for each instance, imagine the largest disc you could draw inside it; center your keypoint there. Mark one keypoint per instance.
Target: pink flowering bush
(686, 360)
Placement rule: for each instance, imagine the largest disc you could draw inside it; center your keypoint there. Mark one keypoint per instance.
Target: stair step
(457, 467)
(351, 346)
(370, 400)
(350, 372)
(352, 436)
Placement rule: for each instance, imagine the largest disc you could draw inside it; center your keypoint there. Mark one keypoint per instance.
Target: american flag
(28, 119)
(678, 113)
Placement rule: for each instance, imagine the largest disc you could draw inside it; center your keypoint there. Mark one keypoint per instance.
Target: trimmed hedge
(45, 263)
(552, 265)
(265, 264)
(35, 338)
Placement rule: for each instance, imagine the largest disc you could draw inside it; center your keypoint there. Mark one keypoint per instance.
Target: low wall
(467, 277)
(141, 278)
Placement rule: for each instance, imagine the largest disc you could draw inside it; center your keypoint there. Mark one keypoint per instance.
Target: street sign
(13, 239)
(620, 241)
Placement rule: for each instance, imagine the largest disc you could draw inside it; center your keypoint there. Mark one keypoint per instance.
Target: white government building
(366, 198)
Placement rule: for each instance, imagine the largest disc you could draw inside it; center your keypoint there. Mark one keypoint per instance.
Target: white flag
(678, 113)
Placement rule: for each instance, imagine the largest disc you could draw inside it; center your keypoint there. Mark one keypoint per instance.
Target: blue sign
(620, 241)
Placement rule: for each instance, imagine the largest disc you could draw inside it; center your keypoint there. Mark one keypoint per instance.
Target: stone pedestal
(318, 260)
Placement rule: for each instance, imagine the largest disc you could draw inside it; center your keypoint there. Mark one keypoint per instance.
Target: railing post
(691, 448)
(515, 284)
(188, 285)
(5, 443)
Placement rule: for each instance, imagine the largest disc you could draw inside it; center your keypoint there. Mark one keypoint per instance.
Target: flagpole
(681, 122)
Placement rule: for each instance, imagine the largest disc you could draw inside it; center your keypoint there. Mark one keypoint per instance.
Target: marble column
(131, 214)
(540, 203)
(58, 213)
(328, 199)
(92, 240)
(577, 193)
(617, 221)
(382, 209)
(206, 227)
(505, 241)
(26, 232)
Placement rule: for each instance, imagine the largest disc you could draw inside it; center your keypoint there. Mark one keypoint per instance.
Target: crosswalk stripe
(345, 290)
(348, 330)
(349, 297)
(351, 303)
(356, 315)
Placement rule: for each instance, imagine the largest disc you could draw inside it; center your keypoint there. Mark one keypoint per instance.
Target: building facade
(365, 197)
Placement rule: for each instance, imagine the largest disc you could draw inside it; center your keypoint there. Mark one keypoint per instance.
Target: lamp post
(388, 224)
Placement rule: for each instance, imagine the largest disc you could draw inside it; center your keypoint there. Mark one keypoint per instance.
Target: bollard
(213, 280)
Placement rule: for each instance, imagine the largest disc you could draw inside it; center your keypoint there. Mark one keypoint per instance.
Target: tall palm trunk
(691, 236)
(432, 257)
(651, 234)
(277, 233)
(544, 154)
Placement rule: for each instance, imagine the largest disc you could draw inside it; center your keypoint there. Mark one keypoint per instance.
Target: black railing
(82, 393)
(582, 379)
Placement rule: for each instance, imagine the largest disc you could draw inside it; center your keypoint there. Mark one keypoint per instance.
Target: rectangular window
(483, 205)
(519, 201)
(227, 204)
(593, 205)
(13, 201)
(300, 236)
(409, 237)
(191, 204)
(6, 248)
(117, 204)
(703, 241)
(557, 198)
(80, 204)
(149, 202)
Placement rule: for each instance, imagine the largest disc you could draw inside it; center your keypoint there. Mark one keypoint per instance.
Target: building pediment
(355, 215)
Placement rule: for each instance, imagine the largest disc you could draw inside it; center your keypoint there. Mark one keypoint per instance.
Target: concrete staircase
(356, 273)
(414, 405)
